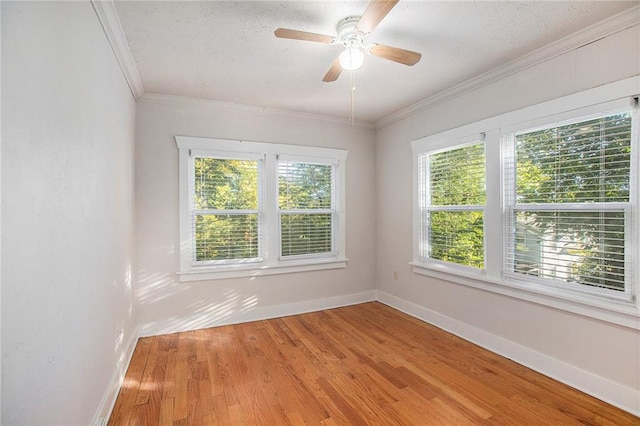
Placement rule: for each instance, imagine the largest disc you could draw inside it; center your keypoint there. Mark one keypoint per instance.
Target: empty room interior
(320, 212)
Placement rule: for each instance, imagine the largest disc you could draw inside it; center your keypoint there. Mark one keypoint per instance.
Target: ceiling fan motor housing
(348, 34)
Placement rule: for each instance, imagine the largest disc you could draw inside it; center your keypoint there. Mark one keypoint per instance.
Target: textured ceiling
(226, 50)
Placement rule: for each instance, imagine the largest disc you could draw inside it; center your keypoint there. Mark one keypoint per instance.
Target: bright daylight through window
(540, 203)
(252, 208)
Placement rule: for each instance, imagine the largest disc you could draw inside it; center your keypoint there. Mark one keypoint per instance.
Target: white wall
(599, 349)
(67, 214)
(164, 303)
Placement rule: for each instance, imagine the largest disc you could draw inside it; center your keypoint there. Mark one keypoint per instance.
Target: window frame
(509, 180)
(333, 210)
(269, 261)
(421, 236)
(605, 98)
(259, 211)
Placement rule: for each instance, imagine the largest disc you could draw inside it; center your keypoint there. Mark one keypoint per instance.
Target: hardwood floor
(363, 365)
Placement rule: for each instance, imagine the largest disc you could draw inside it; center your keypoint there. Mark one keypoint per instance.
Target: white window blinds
(306, 201)
(225, 209)
(451, 186)
(568, 203)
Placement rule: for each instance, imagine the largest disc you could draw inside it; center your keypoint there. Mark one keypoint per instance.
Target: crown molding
(108, 17)
(185, 101)
(595, 32)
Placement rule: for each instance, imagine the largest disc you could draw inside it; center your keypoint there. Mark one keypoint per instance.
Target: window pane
(223, 184)
(304, 186)
(457, 236)
(225, 237)
(305, 234)
(579, 247)
(457, 176)
(587, 161)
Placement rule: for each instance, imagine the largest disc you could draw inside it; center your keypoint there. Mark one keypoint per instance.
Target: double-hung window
(251, 208)
(559, 223)
(568, 204)
(225, 200)
(451, 201)
(306, 207)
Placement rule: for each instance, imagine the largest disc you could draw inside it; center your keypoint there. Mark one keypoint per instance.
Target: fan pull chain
(353, 100)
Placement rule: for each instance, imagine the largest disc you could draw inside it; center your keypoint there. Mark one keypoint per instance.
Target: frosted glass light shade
(351, 59)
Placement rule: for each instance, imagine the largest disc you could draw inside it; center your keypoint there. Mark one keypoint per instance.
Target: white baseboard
(606, 390)
(194, 322)
(111, 394)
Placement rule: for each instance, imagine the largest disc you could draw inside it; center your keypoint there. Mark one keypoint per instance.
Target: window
(226, 209)
(249, 208)
(543, 207)
(306, 208)
(568, 199)
(451, 188)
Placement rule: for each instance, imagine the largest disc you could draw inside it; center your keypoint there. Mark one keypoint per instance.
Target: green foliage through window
(304, 186)
(457, 176)
(223, 184)
(587, 164)
(225, 209)
(305, 198)
(223, 237)
(457, 237)
(588, 161)
(452, 194)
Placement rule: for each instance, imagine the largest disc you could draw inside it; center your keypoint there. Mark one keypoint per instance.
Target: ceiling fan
(352, 34)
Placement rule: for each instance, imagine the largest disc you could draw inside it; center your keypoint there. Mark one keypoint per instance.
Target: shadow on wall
(161, 292)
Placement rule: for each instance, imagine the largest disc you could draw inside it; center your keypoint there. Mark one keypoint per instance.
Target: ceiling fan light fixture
(352, 32)
(352, 59)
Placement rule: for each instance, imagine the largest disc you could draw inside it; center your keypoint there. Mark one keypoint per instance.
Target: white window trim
(600, 99)
(270, 263)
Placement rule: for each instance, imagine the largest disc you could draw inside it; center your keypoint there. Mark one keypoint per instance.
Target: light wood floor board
(365, 364)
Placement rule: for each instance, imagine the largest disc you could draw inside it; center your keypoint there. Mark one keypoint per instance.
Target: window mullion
(270, 220)
(493, 208)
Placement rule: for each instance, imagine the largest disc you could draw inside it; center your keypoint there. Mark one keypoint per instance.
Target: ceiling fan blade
(396, 54)
(374, 13)
(334, 71)
(303, 35)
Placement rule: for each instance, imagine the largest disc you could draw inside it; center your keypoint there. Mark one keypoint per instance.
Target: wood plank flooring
(366, 364)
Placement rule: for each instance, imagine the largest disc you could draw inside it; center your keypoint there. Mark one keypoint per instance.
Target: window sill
(255, 270)
(621, 313)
